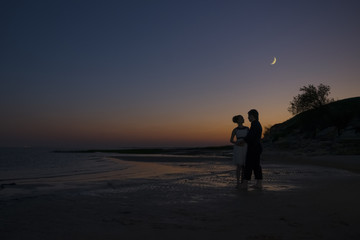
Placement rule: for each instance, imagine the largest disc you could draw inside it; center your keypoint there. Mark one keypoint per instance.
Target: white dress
(239, 152)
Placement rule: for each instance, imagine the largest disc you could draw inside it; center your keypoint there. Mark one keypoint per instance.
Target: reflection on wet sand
(142, 196)
(149, 171)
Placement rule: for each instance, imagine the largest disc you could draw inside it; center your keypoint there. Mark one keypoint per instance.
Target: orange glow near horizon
(177, 132)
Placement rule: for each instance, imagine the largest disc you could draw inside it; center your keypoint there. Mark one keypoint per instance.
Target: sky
(171, 73)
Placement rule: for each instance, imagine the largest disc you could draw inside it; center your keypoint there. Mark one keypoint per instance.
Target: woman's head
(238, 119)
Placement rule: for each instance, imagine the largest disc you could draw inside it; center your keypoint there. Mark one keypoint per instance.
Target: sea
(24, 169)
(34, 164)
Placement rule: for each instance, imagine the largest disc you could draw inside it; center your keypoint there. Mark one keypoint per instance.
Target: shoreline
(345, 162)
(192, 197)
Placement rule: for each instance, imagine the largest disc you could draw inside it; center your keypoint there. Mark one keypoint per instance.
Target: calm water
(31, 163)
(21, 168)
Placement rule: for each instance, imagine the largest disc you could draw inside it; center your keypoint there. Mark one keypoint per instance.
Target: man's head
(253, 115)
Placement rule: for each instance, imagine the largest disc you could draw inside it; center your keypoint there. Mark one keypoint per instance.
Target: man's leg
(248, 167)
(258, 171)
(247, 171)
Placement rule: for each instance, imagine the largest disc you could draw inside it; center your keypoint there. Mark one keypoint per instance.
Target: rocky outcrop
(331, 129)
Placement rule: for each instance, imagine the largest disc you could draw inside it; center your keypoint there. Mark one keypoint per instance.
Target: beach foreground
(184, 197)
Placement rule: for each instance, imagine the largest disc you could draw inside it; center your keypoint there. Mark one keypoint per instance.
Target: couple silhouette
(247, 150)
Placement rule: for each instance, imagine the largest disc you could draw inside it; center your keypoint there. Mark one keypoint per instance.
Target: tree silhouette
(311, 98)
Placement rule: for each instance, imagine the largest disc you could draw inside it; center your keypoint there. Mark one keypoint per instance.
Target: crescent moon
(273, 62)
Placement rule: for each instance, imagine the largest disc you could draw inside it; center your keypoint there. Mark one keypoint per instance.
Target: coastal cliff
(333, 128)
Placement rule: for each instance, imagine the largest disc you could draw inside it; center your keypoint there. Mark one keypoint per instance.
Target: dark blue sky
(141, 73)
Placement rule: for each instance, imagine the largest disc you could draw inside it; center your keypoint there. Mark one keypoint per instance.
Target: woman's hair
(254, 113)
(236, 118)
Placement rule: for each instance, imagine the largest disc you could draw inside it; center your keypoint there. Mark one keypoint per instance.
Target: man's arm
(254, 134)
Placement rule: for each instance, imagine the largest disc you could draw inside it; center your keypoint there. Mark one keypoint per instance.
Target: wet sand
(185, 197)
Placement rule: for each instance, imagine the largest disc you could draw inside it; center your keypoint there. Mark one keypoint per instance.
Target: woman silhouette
(239, 151)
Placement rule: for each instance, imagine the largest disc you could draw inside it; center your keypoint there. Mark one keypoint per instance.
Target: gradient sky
(165, 73)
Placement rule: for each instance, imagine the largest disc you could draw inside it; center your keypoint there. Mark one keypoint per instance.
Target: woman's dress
(239, 152)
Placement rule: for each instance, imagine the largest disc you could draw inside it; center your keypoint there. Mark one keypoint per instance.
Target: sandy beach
(179, 197)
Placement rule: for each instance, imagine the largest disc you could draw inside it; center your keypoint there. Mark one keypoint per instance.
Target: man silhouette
(252, 162)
